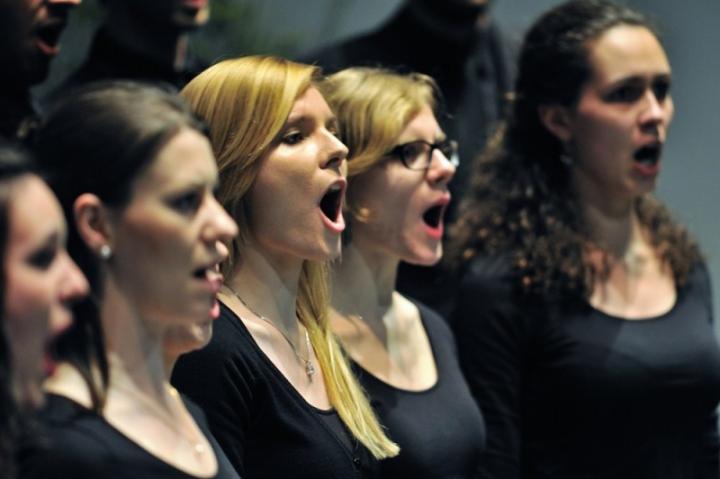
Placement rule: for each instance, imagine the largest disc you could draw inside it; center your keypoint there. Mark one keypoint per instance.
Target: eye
(292, 137)
(44, 257)
(187, 203)
(626, 93)
(411, 151)
(661, 89)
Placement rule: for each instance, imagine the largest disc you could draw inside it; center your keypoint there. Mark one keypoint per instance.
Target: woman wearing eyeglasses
(400, 165)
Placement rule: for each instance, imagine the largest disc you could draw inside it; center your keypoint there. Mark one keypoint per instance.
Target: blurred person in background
(38, 284)
(29, 40)
(144, 40)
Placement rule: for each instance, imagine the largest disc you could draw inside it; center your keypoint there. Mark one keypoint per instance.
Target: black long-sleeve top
(585, 394)
(440, 430)
(74, 442)
(262, 422)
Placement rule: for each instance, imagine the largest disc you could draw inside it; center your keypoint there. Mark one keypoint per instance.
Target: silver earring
(566, 159)
(105, 252)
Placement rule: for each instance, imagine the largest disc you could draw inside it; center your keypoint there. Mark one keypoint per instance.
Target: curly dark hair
(520, 200)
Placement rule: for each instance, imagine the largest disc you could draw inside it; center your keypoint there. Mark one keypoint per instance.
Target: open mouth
(433, 217)
(331, 202)
(48, 36)
(648, 155)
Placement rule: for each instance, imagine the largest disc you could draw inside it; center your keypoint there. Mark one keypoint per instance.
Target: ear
(92, 221)
(556, 118)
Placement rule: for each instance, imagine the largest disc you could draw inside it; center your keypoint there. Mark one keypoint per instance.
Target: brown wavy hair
(521, 202)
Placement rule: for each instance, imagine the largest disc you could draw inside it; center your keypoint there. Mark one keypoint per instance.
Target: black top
(110, 60)
(473, 69)
(264, 425)
(440, 430)
(583, 394)
(79, 444)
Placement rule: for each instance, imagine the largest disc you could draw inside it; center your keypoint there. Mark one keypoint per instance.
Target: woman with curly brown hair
(584, 316)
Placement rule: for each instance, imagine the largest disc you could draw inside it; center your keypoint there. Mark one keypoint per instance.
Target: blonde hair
(373, 107)
(246, 102)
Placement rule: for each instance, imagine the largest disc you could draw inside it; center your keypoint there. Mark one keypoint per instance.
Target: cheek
(28, 297)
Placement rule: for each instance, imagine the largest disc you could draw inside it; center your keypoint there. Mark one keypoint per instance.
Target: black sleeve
(493, 345)
(220, 381)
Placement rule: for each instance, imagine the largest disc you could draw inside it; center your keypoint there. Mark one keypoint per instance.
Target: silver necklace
(197, 446)
(309, 368)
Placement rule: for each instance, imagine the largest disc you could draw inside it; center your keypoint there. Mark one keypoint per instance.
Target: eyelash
(292, 138)
(630, 93)
(43, 258)
(187, 203)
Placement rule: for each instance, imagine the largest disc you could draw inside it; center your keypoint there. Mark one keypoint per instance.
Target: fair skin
(380, 329)
(289, 226)
(615, 135)
(41, 283)
(159, 296)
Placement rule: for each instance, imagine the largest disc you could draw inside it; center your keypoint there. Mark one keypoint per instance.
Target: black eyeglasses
(417, 155)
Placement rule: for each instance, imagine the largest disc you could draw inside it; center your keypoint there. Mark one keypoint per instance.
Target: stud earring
(105, 252)
(566, 159)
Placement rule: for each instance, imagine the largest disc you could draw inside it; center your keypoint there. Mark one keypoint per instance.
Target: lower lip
(435, 233)
(49, 364)
(337, 226)
(646, 171)
(46, 49)
(215, 310)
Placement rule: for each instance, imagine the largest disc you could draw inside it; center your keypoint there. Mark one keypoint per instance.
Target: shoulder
(72, 442)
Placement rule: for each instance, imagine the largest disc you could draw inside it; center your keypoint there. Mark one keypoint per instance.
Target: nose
(219, 227)
(74, 284)
(441, 169)
(656, 111)
(336, 154)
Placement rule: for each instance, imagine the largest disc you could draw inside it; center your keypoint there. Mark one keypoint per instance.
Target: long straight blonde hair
(246, 102)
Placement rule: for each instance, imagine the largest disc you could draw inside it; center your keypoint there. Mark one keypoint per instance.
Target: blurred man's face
(31, 37)
(184, 15)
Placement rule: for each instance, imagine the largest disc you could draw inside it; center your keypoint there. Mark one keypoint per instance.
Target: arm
(493, 346)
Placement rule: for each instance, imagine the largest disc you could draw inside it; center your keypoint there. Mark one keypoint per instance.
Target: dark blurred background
(691, 168)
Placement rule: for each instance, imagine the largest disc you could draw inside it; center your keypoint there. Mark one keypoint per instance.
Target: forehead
(186, 158)
(626, 51)
(310, 103)
(34, 212)
(423, 126)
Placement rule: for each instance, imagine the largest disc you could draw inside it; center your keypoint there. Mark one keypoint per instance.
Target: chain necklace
(309, 368)
(197, 446)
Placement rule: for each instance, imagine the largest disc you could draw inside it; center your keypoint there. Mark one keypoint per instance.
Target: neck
(268, 287)
(615, 229)
(364, 283)
(135, 343)
(164, 45)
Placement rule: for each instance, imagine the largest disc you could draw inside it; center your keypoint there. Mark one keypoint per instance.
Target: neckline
(644, 319)
(433, 352)
(138, 447)
(286, 383)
